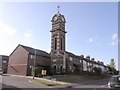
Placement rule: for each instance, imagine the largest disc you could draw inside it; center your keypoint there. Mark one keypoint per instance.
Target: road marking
(29, 80)
(103, 86)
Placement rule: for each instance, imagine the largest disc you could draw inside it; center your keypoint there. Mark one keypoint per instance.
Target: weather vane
(58, 8)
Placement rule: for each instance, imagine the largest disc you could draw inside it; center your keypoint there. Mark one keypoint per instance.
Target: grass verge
(76, 78)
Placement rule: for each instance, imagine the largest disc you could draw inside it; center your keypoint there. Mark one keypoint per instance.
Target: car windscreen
(118, 79)
(115, 79)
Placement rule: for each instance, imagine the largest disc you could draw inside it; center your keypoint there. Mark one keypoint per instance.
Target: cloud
(113, 43)
(94, 40)
(27, 34)
(6, 29)
(114, 36)
(27, 39)
(90, 40)
(115, 40)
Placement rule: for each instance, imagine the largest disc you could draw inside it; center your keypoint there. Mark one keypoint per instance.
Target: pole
(34, 65)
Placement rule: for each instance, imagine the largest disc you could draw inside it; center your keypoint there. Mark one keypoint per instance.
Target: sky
(92, 27)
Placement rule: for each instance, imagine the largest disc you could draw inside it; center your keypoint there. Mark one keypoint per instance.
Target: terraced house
(58, 61)
(4, 63)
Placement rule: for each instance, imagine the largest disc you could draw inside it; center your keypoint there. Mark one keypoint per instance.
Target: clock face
(55, 18)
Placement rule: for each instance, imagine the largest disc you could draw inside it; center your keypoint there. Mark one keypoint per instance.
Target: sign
(44, 72)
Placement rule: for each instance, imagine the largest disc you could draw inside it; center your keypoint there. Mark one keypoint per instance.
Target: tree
(112, 66)
(112, 63)
(32, 71)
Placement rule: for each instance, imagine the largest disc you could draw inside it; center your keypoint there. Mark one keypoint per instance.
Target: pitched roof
(38, 52)
(71, 54)
(2, 57)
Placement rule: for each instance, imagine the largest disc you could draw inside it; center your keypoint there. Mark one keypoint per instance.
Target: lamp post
(34, 65)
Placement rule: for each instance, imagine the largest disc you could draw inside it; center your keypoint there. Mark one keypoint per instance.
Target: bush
(39, 75)
(97, 71)
(32, 71)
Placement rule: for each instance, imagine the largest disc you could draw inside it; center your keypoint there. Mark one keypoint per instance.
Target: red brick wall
(17, 70)
(18, 61)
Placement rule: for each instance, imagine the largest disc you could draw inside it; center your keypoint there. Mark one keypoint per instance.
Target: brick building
(21, 60)
(4, 63)
(58, 61)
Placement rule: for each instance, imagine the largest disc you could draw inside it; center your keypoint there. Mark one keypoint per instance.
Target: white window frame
(71, 59)
(4, 61)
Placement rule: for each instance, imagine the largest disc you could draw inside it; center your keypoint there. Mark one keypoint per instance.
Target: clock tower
(58, 43)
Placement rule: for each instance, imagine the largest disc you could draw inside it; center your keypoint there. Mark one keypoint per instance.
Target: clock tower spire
(58, 8)
(57, 42)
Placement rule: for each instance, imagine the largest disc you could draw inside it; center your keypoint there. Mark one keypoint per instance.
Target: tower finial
(58, 8)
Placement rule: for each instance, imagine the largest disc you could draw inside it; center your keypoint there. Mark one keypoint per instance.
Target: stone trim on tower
(58, 41)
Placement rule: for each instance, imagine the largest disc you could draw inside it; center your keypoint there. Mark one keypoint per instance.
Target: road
(0, 82)
(22, 83)
(89, 85)
(19, 82)
(92, 85)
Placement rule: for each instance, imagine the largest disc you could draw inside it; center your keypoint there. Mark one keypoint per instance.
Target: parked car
(114, 82)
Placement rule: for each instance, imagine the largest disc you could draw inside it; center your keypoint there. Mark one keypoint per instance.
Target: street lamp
(34, 65)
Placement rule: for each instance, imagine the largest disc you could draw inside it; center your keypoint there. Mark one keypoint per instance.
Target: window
(80, 61)
(70, 67)
(118, 78)
(71, 59)
(55, 43)
(54, 60)
(54, 69)
(61, 70)
(115, 79)
(32, 56)
(4, 61)
(61, 44)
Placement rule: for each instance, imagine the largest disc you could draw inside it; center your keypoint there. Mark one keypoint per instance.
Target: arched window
(54, 69)
(55, 43)
(61, 69)
(61, 44)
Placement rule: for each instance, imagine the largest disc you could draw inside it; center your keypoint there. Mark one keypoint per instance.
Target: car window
(115, 79)
(119, 79)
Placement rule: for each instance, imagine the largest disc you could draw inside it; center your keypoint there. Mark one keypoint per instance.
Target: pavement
(46, 78)
(17, 81)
